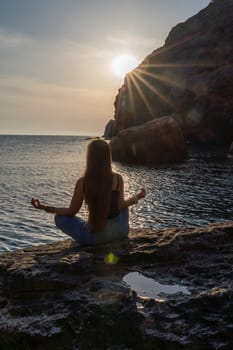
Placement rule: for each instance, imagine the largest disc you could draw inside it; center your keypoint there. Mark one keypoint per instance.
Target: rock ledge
(62, 296)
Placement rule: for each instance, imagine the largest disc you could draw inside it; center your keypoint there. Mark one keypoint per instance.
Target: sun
(123, 64)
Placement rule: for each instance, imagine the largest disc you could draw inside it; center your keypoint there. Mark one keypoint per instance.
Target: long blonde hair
(98, 183)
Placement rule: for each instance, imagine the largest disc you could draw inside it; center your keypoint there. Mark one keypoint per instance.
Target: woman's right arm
(75, 203)
(125, 203)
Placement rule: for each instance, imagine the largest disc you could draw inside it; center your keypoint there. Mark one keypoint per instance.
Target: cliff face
(189, 78)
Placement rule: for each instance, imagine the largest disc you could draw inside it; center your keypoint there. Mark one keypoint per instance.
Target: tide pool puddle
(148, 288)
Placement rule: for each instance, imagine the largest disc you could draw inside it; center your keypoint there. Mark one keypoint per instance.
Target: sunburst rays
(140, 77)
(132, 79)
(165, 74)
(151, 87)
(161, 77)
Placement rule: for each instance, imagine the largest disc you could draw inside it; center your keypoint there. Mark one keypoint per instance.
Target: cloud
(68, 46)
(63, 47)
(44, 85)
(116, 40)
(126, 39)
(34, 106)
(64, 62)
(29, 90)
(10, 40)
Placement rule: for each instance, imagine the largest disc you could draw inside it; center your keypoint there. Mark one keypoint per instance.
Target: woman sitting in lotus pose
(103, 192)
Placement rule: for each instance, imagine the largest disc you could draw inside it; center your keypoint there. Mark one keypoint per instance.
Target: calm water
(194, 193)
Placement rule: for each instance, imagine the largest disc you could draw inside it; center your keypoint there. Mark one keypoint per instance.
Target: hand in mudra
(36, 203)
(142, 193)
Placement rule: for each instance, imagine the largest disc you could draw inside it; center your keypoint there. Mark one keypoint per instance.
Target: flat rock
(62, 296)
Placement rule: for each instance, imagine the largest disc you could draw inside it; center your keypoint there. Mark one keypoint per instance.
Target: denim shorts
(115, 229)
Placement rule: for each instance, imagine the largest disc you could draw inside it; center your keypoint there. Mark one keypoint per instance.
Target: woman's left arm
(125, 203)
(75, 204)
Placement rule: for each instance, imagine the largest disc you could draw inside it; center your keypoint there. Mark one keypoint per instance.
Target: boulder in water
(110, 129)
(155, 142)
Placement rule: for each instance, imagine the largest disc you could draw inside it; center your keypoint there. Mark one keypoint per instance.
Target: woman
(103, 192)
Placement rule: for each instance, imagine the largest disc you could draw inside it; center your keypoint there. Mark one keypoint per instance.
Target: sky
(56, 58)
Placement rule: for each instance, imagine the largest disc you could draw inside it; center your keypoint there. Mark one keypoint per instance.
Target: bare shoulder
(117, 180)
(81, 179)
(115, 175)
(80, 183)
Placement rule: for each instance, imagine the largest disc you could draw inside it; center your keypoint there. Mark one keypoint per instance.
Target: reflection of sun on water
(123, 64)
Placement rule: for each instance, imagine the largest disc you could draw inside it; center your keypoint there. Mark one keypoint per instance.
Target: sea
(196, 192)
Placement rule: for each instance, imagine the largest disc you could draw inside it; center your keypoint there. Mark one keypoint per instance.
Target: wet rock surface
(62, 296)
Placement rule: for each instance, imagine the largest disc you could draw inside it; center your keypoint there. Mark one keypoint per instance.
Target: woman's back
(115, 205)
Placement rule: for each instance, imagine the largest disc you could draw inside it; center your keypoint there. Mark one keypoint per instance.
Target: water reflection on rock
(148, 287)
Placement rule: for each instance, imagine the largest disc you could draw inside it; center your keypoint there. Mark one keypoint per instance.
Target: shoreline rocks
(157, 141)
(63, 296)
(110, 129)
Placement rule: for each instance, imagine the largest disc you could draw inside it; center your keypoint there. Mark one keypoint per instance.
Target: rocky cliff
(189, 78)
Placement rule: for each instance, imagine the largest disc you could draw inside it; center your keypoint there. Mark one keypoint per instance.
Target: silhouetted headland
(189, 80)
